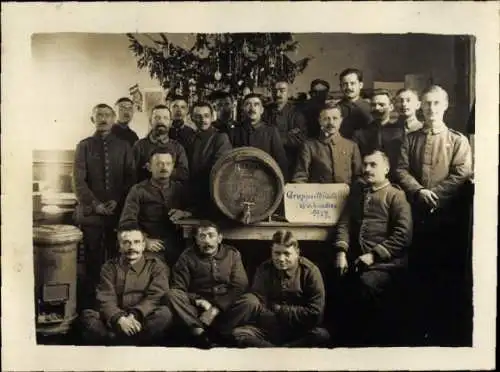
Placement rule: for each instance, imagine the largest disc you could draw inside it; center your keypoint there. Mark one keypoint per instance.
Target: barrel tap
(247, 212)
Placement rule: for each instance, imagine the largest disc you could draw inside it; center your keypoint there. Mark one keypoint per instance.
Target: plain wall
(76, 71)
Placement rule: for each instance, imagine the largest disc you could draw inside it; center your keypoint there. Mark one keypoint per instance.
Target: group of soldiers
(404, 177)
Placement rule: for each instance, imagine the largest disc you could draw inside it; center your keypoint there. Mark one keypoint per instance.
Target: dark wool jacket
(299, 292)
(220, 279)
(182, 134)
(388, 137)
(336, 160)
(263, 137)
(357, 116)
(147, 205)
(436, 159)
(134, 289)
(376, 220)
(125, 134)
(103, 170)
(142, 151)
(205, 149)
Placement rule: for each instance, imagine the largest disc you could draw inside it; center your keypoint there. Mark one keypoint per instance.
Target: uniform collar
(221, 252)
(436, 129)
(411, 125)
(178, 124)
(108, 138)
(333, 140)
(209, 131)
(381, 186)
(136, 267)
(159, 185)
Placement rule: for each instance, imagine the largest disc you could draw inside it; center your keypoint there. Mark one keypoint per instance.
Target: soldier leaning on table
(157, 203)
(103, 173)
(434, 165)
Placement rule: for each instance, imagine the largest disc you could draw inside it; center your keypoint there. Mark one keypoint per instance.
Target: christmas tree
(226, 62)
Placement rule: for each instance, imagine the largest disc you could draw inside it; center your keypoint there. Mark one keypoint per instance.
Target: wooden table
(264, 230)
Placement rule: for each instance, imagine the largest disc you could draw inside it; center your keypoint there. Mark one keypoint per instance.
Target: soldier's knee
(250, 301)
(243, 333)
(321, 335)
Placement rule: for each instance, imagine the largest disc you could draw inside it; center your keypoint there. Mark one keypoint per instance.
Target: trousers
(96, 332)
(259, 327)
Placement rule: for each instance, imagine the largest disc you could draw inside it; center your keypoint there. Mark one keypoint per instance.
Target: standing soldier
(381, 133)
(435, 163)
(255, 133)
(206, 148)
(180, 131)
(358, 110)
(103, 173)
(331, 158)
(407, 105)
(121, 129)
(224, 105)
(290, 122)
(319, 94)
(158, 138)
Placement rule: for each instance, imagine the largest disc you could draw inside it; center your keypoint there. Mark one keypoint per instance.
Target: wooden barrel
(247, 185)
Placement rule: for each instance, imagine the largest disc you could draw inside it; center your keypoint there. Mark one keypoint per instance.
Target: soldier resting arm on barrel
(128, 297)
(330, 158)
(156, 204)
(206, 280)
(286, 302)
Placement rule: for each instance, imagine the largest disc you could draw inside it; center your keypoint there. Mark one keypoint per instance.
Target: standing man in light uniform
(434, 165)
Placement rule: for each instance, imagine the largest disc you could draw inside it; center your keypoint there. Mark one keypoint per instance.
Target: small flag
(136, 95)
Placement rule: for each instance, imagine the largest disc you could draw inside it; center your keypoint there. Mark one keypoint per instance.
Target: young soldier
(121, 129)
(407, 105)
(128, 297)
(158, 138)
(206, 148)
(179, 131)
(434, 165)
(358, 110)
(224, 105)
(103, 173)
(206, 280)
(381, 134)
(372, 236)
(156, 204)
(290, 122)
(255, 133)
(330, 158)
(286, 302)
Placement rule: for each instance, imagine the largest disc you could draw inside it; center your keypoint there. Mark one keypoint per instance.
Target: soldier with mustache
(372, 240)
(128, 309)
(256, 133)
(357, 110)
(381, 133)
(156, 204)
(103, 173)
(329, 158)
(158, 137)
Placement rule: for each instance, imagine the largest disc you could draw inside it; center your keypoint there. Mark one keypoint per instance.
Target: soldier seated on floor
(128, 310)
(206, 280)
(286, 302)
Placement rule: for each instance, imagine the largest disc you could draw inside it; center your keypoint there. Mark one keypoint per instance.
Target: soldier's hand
(341, 263)
(110, 206)
(101, 209)
(202, 303)
(208, 316)
(126, 325)
(366, 260)
(136, 325)
(176, 215)
(154, 245)
(429, 197)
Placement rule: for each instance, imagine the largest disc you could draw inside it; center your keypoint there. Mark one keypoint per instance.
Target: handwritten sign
(315, 203)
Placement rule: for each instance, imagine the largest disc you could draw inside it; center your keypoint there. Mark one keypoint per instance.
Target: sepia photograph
(223, 191)
(284, 216)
